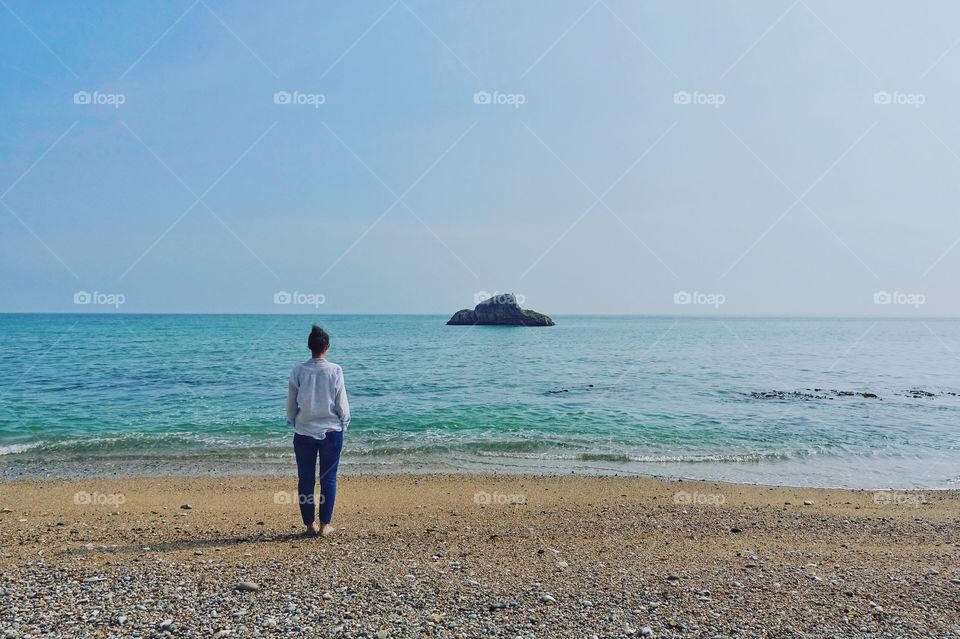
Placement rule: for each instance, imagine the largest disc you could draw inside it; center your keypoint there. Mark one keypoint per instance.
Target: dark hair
(318, 341)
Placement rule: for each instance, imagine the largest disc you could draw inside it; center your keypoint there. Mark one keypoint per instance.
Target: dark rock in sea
(499, 310)
(818, 393)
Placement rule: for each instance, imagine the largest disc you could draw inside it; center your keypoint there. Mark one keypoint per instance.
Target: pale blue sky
(495, 197)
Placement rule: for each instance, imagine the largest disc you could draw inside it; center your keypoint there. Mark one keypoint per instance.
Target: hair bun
(318, 341)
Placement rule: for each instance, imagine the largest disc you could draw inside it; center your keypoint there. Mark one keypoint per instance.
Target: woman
(318, 411)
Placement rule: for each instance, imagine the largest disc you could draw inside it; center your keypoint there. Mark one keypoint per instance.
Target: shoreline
(476, 556)
(141, 467)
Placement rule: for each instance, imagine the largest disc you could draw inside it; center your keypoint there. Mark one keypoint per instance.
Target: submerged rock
(811, 393)
(499, 310)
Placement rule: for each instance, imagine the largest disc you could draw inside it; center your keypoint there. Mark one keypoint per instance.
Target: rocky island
(499, 310)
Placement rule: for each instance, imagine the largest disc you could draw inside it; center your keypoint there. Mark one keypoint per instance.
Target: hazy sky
(204, 156)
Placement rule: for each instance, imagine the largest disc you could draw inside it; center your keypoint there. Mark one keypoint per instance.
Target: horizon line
(444, 314)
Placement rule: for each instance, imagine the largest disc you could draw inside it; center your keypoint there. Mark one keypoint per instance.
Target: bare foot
(327, 530)
(312, 530)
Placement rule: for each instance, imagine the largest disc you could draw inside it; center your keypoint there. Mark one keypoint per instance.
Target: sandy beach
(476, 556)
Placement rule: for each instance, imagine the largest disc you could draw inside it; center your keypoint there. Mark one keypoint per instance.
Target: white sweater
(317, 399)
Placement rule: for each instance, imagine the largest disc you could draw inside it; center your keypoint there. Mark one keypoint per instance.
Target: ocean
(760, 400)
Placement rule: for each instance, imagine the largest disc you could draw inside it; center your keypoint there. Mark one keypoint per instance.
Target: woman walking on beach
(319, 414)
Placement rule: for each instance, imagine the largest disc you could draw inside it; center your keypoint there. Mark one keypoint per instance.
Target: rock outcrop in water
(811, 393)
(499, 310)
(825, 393)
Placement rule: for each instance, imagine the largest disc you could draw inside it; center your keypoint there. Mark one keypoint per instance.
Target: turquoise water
(104, 394)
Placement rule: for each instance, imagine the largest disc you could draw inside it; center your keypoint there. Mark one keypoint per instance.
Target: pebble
(807, 502)
(646, 631)
(383, 634)
(166, 623)
(327, 596)
(547, 599)
(248, 586)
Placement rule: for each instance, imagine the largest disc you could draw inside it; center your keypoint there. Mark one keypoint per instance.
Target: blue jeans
(307, 450)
